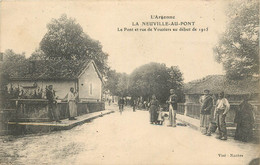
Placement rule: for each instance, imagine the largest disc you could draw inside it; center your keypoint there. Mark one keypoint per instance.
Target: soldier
(205, 111)
(222, 108)
(50, 95)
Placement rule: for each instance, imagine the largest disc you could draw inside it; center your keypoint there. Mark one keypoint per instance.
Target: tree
(38, 54)
(155, 78)
(13, 63)
(117, 83)
(123, 84)
(146, 80)
(176, 81)
(112, 81)
(238, 47)
(65, 39)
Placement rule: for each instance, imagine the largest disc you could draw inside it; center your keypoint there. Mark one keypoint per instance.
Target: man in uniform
(205, 112)
(50, 95)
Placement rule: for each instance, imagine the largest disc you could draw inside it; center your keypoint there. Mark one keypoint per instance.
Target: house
(234, 92)
(83, 76)
(234, 89)
(25, 100)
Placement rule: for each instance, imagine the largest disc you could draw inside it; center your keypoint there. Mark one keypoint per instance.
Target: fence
(193, 110)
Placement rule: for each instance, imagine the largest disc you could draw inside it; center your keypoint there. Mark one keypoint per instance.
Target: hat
(206, 90)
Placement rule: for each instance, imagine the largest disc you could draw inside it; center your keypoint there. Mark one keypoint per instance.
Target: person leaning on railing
(50, 95)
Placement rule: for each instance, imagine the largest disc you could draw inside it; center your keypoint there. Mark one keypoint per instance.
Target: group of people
(71, 100)
(156, 113)
(122, 102)
(221, 110)
(6, 94)
(244, 117)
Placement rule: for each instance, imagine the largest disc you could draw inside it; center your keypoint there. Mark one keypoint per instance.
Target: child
(160, 116)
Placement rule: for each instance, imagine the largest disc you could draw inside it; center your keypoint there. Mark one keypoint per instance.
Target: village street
(124, 139)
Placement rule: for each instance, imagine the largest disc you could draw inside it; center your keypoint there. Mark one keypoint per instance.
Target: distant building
(84, 76)
(234, 90)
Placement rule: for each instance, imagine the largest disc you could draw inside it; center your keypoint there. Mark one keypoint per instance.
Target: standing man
(172, 101)
(50, 95)
(222, 108)
(109, 100)
(205, 112)
(72, 104)
(121, 103)
(134, 105)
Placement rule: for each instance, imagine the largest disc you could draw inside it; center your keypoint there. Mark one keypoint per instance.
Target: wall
(82, 108)
(87, 79)
(5, 116)
(34, 111)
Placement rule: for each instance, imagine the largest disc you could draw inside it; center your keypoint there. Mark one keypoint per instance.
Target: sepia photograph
(112, 82)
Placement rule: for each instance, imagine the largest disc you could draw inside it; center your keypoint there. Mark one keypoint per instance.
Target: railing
(181, 108)
(30, 109)
(193, 110)
(37, 109)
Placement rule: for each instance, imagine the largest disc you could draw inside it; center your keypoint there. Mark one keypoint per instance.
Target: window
(90, 89)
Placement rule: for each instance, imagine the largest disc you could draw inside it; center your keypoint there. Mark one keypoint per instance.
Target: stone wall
(37, 111)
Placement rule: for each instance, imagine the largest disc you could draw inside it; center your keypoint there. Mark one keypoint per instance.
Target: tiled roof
(218, 83)
(49, 70)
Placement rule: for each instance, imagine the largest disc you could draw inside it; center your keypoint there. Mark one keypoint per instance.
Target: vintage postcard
(133, 82)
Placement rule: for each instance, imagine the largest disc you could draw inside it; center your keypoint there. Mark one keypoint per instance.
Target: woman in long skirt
(154, 106)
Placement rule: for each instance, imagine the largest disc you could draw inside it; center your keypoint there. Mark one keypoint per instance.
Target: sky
(23, 25)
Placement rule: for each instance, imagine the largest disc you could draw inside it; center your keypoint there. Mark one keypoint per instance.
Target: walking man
(134, 105)
(222, 108)
(50, 95)
(205, 111)
(172, 101)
